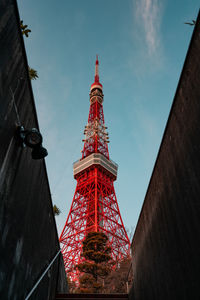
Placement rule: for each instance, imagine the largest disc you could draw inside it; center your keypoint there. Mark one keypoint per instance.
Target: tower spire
(96, 84)
(96, 77)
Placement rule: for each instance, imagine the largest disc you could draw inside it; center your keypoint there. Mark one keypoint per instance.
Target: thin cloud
(148, 17)
(146, 133)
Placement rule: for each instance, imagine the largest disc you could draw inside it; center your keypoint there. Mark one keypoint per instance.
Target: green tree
(32, 73)
(56, 210)
(97, 263)
(25, 31)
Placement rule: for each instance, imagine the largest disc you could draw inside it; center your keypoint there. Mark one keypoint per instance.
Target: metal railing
(43, 274)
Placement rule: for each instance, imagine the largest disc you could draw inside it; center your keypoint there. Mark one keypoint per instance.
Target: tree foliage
(56, 210)
(116, 281)
(97, 262)
(71, 285)
(32, 73)
(24, 29)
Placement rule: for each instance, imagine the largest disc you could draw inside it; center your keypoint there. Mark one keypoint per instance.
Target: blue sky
(142, 46)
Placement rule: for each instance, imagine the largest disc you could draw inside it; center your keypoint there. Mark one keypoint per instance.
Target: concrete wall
(166, 244)
(28, 232)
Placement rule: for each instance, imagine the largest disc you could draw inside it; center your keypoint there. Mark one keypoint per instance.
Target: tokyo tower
(94, 206)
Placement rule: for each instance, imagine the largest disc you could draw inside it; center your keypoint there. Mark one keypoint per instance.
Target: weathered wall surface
(166, 244)
(27, 226)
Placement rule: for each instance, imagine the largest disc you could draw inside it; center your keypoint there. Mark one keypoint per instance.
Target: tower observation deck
(94, 206)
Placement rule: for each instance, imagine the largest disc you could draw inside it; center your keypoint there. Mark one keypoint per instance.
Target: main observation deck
(95, 159)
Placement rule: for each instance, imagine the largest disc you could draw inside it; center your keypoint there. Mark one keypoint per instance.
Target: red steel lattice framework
(94, 206)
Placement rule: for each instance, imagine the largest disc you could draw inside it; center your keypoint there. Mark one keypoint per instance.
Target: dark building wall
(166, 244)
(29, 239)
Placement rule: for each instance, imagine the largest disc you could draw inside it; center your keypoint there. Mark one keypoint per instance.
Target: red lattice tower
(94, 206)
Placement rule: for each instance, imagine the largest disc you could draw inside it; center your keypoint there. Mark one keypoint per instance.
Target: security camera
(32, 138)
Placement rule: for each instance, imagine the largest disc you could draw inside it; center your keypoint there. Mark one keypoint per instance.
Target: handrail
(41, 277)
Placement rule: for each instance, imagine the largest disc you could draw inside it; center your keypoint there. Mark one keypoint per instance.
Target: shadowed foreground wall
(166, 244)
(28, 232)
